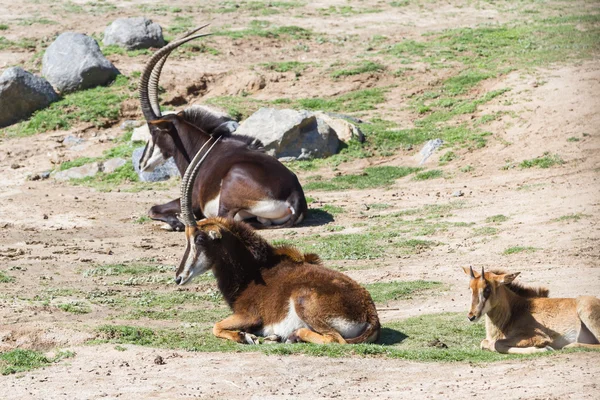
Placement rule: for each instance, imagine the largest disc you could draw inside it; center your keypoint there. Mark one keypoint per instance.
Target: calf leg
(234, 327)
(308, 309)
(168, 213)
(588, 310)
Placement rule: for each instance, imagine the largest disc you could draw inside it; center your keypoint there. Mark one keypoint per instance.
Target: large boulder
(134, 33)
(22, 93)
(161, 173)
(74, 62)
(290, 134)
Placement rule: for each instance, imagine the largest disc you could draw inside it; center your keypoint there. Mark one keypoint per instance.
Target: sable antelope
(276, 292)
(237, 180)
(523, 320)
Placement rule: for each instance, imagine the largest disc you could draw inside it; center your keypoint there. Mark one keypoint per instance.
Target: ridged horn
(147, 109)
(155, 75)
(187, 184)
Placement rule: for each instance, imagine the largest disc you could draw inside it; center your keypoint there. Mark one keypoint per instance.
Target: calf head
(484, 288)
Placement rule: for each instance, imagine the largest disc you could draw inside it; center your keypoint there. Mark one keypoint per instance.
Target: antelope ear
(161, 124)
(214, 234)
(507, 278)
(467, 270)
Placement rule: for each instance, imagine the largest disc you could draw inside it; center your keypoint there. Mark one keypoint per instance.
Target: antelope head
(484, 288)
(153, 154)
(195, 260)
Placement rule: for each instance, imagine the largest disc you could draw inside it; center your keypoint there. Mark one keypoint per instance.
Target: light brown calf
(523, 320)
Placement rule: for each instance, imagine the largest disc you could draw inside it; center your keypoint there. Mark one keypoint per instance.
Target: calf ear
(505, 279)
(215, 234)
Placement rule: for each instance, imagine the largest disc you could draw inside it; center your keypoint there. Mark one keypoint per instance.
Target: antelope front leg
(233, 327)
(306, 335)
(506, 347)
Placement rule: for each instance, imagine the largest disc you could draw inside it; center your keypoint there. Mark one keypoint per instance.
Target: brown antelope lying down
(522, 320)
(238, 180)
(276, 292)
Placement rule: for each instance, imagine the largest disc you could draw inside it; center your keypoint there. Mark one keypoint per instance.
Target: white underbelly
(348, 329)
(271, 209)
(290, 324)
(211, 208)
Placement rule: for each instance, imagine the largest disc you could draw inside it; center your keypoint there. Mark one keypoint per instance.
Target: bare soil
(51, 231)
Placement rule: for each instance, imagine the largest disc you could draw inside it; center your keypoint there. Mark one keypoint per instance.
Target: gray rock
(130, 124)
(429, 148)
(22, 93)
(72, 140)
(141, 134)
(344, 130)
(160, 173)
(74, 62)
(458, 193)
(290, 134)
(112, 164)
(134, 33)
(86, 170)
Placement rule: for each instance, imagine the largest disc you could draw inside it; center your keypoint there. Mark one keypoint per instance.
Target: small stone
(458, 193)
(130, 124)
(45, 216)
(159, 360)
(15, 166)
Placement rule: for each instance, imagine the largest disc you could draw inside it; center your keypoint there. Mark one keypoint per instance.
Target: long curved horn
(155, 75)
(147, 109)
(472, 273)
(187, 184)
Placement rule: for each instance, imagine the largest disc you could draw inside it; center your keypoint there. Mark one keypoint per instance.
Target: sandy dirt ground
(51, 231)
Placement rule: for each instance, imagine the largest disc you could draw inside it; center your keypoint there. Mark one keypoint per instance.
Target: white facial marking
(153, 160)
(196, 263)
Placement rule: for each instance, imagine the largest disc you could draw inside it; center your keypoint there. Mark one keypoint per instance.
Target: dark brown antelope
(523, 320)
(276, 292)
(238, 180)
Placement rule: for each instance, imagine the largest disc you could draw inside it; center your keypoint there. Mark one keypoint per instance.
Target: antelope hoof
(248, 338)
(271, 339)
(548, 348)
(486, 345)
(293, 338)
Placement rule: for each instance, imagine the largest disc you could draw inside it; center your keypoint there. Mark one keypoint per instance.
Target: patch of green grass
(402, 3)
(570, 217)
(467, 168)
(447, 157)
(379, 206)
(416, 339)
(431, 174)
(573, 139)
(415, 246)
(332, 209)
(485, 231)
(6, 278)
(382, 292)
(75, 307)
(142, 219)
(104, 182)
(546, 161)
(3, 27)
(286, 66)
(180, 24)
(264, 29)
(343, 247)
(359, 68)
(100, 106)
(519, 249)
(496, 219)
(19, 360)
(125, 269)
(370, 178)
(78, 162)
(360, 100)
(255, 7)
(118, 50)
(36, 21)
